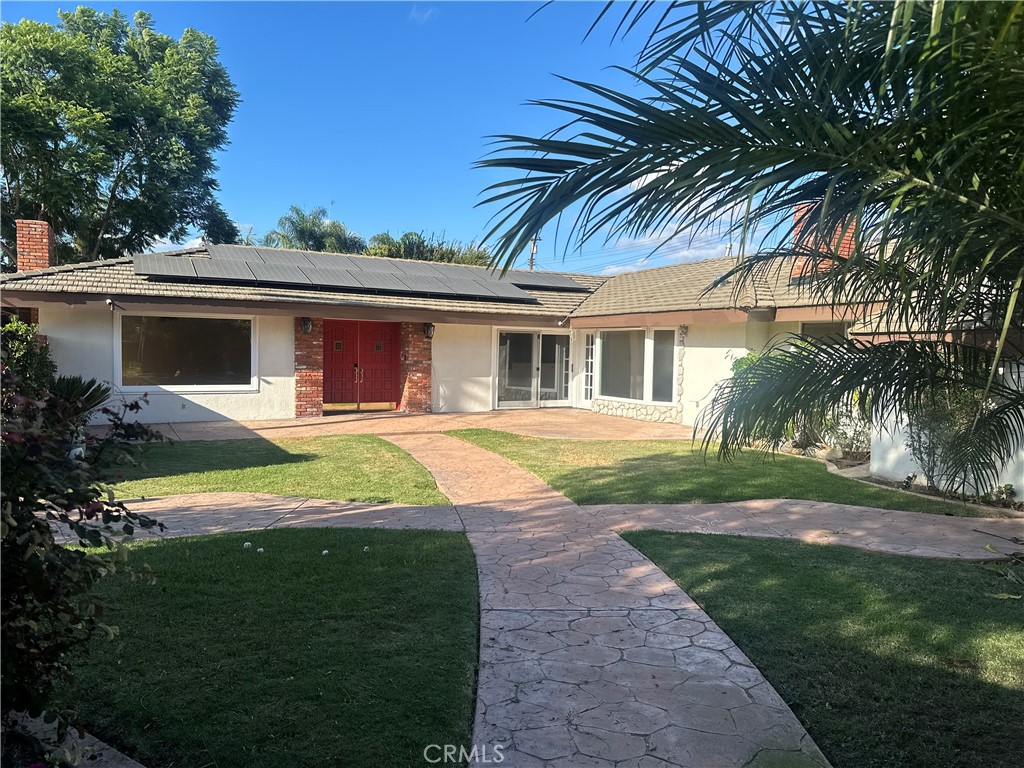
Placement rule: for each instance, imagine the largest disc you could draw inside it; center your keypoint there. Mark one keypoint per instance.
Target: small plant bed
(286, 657)
(887, 660)
(1002, 502)
(360, 468)
(675, 472)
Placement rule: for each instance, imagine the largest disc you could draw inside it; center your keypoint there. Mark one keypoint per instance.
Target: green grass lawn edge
(596, 472)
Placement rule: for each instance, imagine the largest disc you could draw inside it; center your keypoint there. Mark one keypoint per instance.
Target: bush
(52, 495)
(932, 425)
(23, 353)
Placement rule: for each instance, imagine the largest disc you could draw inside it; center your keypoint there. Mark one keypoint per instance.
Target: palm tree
(313, 231)
(894, 125)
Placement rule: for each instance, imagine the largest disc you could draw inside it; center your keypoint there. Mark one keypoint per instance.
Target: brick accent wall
(417, 362)
(309, 370)
(35, 245)
(803, 266)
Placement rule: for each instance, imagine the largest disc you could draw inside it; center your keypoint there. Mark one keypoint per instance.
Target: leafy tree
(414, 245)
(895, 124)
(313, 231)
(110, 130)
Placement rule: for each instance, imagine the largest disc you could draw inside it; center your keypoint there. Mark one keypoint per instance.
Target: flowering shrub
(53, 495)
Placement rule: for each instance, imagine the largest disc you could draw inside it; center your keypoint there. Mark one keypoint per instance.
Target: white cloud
(420, 16)
(664, 259)
(162, 245)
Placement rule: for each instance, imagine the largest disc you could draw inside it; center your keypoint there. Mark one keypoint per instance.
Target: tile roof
(681, 287)
(678, 287)
(116, 277)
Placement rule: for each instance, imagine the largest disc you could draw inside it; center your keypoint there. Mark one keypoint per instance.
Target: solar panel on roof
(371, 264)
(330, 261)
(233, 252)
(224, 269)
(283, 258)
(461, 272)
(158, 265)
(416, 268)
(427, 284)
(244, 264)
(332, 278)
(284, 274)
(463, 287)
(509, 291)
(383, 281)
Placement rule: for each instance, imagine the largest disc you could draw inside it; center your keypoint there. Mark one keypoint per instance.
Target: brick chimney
(804, 266)
(35, 245)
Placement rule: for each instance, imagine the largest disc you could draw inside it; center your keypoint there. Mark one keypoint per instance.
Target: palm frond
(822, 378)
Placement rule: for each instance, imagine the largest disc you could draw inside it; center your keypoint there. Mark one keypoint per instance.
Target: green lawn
(287, 658)
(673, 472)
(889, 661)
(342, 467)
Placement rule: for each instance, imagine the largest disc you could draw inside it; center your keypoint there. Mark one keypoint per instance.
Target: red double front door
(361, 362)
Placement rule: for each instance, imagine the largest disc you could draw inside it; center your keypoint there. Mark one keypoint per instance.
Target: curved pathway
(590, 655)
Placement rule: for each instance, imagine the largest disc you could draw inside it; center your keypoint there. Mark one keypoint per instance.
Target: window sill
(196, 389)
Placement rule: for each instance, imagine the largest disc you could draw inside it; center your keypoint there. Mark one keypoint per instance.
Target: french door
(533, 369)
(361, 363)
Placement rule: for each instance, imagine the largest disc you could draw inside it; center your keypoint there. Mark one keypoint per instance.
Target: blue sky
(379, 110)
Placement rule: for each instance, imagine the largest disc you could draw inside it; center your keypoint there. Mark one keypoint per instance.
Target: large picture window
(185, 351)
(622, 364)
(638, 365)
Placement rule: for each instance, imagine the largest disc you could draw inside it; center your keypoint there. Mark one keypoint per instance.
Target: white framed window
(588, 368)
(638, 364)
(185, 353)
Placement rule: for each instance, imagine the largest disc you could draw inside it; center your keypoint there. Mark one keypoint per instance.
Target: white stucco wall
(710, 352)
(762, 335)
(462, 378)
(891, 459)
(82, 342)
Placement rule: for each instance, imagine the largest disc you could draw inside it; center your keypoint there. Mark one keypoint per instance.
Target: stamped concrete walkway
(537, 422)
(589, 654)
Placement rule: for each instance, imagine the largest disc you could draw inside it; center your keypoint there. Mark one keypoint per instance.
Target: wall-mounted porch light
(428, 330)
(307, 325)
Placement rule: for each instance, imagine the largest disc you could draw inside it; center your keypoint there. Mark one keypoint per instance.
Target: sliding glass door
(533, 369)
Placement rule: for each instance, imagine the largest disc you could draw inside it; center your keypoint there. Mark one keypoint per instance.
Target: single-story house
(250, 333)
(247, 333)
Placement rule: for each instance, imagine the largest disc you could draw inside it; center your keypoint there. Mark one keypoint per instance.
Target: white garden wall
(82, 342)
(891, 459)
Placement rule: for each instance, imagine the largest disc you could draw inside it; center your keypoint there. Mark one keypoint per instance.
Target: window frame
(648, 398)
(254, 366)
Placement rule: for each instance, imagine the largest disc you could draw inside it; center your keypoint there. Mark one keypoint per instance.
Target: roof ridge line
(57, 268)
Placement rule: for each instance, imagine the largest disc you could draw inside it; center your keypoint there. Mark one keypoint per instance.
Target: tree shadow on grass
(888, 661)
(183, 458)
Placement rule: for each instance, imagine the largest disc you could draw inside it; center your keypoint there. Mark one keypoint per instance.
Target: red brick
(35, 245)
(805, 266)
(309, 369)
(416, 370)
